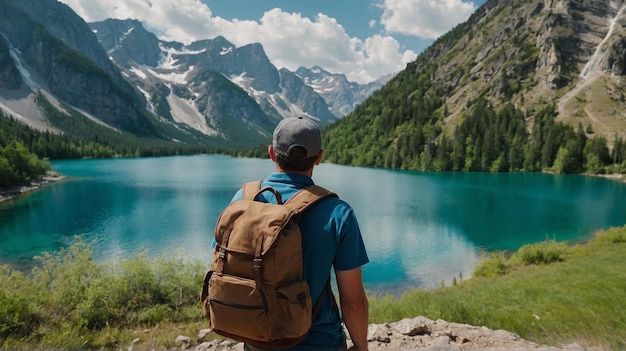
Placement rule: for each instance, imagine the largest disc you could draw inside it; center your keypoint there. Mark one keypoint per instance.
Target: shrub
(18, 315)
(542, 253)
(154, 315)
(179, 281)
(492, 265)
(612, 235)
(64, 278)
(68, 298)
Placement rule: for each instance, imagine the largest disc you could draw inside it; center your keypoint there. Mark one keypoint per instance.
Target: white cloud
(427, 19)
(289, 39)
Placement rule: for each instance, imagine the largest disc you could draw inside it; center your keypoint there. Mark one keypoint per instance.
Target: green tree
(596, 155)
(566, 159)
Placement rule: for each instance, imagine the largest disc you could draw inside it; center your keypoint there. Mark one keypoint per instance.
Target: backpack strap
(250, 189)
(307, 197)
(298, 202)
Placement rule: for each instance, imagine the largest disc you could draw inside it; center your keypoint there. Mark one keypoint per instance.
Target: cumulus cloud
(424, 18)
(289, 39)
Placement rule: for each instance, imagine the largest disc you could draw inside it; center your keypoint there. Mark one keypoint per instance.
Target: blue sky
(363, 39)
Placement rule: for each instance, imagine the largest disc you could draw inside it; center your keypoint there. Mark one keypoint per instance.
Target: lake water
(419, 227)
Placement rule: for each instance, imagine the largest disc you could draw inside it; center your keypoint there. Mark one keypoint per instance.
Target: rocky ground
(11, 192)
(419, 333)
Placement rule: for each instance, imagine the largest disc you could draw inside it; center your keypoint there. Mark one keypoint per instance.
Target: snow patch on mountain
(185, 111)
(139, 73)
(172, 75)
(184, 51)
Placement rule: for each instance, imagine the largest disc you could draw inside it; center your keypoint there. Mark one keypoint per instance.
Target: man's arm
(354, 306)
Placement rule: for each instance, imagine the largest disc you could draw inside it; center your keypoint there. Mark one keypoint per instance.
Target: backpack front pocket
(236, 305)
(294, 301)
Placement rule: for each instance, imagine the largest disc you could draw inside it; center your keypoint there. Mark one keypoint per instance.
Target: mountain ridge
(540, 47)
(140, 84)
(489, 95)
(530, 61)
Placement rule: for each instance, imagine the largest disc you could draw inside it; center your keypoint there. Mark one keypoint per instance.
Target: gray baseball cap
(297, 131)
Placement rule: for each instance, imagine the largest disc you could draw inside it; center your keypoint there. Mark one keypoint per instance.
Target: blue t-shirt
(330, 238)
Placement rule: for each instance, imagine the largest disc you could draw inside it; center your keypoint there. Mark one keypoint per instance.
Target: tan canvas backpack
(254, 290)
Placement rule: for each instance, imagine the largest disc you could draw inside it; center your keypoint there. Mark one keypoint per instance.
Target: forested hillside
(514, 88)
(17, 164)
(411, 135)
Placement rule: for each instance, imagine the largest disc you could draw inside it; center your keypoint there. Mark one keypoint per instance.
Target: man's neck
(308, 173)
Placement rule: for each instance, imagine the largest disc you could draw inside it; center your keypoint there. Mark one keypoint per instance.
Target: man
(330, 238)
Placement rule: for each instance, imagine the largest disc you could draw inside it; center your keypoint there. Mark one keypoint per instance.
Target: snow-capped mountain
(341, 95)
(178, 80)
(118, 74)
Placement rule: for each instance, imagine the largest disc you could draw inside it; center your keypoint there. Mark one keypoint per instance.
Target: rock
(444, 348)
(416, 334)
(183, 341)
(202, 334)
(411, 327)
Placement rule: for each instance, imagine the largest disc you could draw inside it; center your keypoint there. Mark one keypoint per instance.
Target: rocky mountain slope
(117, 74)
(341, 95)
(35, 60)
(532, 53)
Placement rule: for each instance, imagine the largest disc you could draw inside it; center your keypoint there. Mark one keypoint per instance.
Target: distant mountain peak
(342, 95)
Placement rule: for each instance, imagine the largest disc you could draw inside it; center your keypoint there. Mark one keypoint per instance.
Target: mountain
(341, 95)
(61, 72)
(209, 84)
(532, 53)
(521, 85)
(182, 85)
(117, 75)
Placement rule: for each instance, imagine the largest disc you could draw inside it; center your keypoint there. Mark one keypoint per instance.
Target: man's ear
(270, 152)
(319, 157)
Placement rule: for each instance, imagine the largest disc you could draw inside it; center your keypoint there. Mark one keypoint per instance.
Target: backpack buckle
(257, 264)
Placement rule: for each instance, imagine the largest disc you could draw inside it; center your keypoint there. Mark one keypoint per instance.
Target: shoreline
(613, 176)
(10, 193)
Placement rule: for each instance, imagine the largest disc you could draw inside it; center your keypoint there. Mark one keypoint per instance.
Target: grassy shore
(550, 293)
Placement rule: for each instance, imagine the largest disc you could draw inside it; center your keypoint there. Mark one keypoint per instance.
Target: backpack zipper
(236, 305)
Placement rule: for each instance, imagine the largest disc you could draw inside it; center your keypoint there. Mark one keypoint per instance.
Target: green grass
(549, 293)
(579, 297)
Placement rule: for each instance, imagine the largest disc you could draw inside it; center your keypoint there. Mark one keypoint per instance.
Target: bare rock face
(9, 75)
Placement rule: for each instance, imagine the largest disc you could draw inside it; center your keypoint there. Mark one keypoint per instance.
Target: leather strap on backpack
(307, 197)
(298, 203)
(250, 189)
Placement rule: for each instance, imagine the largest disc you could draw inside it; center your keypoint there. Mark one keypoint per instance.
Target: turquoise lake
(419, 227)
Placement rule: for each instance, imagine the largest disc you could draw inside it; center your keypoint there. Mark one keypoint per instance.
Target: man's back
(330, 238)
